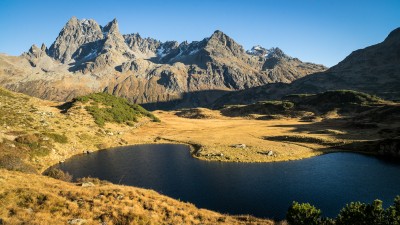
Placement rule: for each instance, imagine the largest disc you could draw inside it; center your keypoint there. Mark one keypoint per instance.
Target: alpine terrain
(87, 57)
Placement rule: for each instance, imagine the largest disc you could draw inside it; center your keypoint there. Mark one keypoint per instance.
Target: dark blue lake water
(260, 189)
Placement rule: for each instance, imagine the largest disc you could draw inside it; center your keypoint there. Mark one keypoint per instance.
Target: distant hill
(341, 102)
(373, 70)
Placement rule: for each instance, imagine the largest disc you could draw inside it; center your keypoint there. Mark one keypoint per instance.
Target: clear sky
(320, 31)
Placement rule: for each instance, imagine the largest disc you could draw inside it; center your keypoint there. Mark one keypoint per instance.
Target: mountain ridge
(87, 57)
(374, 70)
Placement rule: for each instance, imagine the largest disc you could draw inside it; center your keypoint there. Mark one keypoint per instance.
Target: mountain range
(87, 57)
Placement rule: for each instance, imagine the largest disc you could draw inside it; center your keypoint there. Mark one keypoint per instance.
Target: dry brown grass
(34, 199)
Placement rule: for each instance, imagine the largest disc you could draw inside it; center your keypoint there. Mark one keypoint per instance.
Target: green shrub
(108, 108)
(58, 174)
(303, 214)
(354, 213)
(393, 212)
(361, 213)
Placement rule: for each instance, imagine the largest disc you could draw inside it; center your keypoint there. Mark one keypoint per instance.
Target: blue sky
(320, 31)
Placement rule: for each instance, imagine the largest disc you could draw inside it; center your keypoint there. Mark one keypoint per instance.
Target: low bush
(303, 214)
(361, 213)
(58, 174)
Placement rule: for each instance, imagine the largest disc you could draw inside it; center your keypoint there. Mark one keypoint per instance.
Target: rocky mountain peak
(73, 35)
(277, 53)
(43, 47)
(72, 21)
(268, 53)
(111, 27)
(258, 51)
(219, 43)
(143, 47)
(35, 51)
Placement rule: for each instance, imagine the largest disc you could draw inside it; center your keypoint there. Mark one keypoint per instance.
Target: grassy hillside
(34, 199)
(35, 133)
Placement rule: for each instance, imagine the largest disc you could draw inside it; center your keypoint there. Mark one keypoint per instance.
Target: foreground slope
(50, 201)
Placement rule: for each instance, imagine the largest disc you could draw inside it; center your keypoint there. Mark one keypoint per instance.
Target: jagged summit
(111, 27)
(274, 52)
(73, 35)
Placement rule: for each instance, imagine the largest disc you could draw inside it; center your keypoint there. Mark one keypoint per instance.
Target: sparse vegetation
(108, 108)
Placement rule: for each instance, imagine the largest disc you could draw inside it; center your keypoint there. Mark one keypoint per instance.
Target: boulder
(239, 146)
(76, 221)
(87, 184)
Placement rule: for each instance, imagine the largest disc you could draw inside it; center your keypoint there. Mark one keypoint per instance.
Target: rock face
(87, 57)
(74, 34)
(373, 70)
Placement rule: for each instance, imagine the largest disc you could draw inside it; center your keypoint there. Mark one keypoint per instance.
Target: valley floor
(239, 139)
